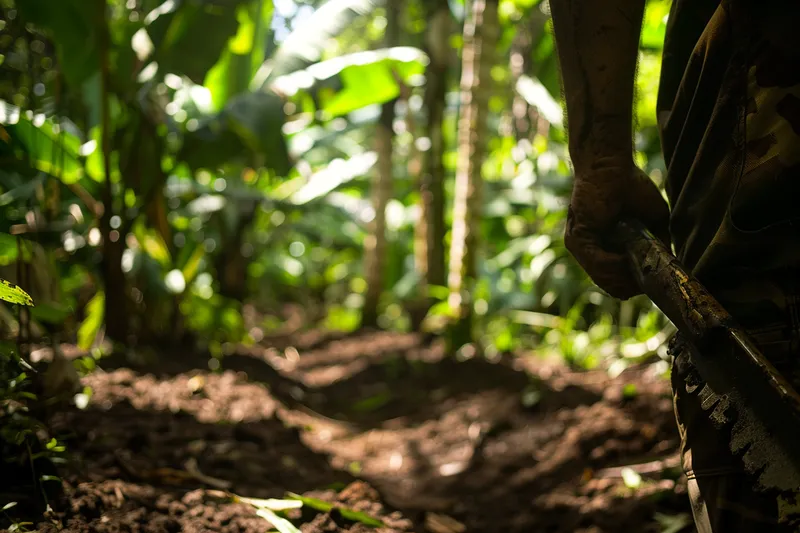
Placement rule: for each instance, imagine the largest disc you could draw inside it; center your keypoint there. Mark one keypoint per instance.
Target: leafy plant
(22, 451)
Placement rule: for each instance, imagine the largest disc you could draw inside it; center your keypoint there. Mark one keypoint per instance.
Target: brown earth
(424, 443)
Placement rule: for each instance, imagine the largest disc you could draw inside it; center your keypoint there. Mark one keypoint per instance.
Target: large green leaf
(245, 53)
(347, 83)
(73, 26)
(188, 36)
(248, 129)
(304, 46)
(48, 147)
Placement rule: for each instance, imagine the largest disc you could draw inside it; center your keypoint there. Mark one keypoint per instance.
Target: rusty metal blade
(743, 390)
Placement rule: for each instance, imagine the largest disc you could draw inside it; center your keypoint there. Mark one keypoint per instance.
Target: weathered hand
(603, 193)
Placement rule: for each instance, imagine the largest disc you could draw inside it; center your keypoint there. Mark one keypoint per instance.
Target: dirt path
(441, 446)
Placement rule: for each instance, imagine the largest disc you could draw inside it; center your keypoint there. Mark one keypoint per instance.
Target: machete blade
(761, 436)
(739, 389)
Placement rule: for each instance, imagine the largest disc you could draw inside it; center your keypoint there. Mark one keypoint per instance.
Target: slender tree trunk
(481, 32)
(430, 231)
(375, 244)
(116, 304)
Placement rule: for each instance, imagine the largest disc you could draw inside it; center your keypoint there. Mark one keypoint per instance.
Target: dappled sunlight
(299, 265)
(210, 398)
(464, 442)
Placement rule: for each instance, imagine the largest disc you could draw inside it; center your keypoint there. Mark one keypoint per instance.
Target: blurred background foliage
(210, 172)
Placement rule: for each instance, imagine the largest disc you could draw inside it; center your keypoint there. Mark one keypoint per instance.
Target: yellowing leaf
(13, 294)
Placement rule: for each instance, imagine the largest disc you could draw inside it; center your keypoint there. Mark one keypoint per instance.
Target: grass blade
(349, 514)
(272, 504)
(281, 524)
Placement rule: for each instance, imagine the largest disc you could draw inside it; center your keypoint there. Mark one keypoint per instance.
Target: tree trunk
(375, 244)
(116, 301)
(481, 32)
(230, 262)
(430, 231)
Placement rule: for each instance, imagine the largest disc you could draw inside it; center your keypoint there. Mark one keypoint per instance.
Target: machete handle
(689, 305)
(665, 281)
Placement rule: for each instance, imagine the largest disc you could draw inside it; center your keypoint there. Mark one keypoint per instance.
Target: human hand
(604, 192)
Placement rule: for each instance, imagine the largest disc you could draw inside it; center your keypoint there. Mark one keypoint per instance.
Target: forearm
(598, 44)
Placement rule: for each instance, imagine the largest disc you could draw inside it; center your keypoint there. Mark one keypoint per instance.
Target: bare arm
(598, 44)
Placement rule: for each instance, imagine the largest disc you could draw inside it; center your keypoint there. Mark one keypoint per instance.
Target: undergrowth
(28, 454)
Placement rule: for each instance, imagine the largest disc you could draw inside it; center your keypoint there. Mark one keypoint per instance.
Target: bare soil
(376, 422)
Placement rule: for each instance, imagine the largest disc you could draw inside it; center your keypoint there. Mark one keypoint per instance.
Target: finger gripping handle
(661, 276)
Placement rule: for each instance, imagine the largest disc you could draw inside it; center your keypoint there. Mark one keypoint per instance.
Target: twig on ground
(194, 470)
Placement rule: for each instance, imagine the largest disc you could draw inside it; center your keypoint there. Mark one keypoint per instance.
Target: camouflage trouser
(722, 496)
(730, 127)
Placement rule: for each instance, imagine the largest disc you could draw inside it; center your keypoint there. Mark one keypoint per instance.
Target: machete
(742, 391)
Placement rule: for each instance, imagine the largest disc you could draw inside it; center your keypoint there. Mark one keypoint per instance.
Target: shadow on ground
(507, 446)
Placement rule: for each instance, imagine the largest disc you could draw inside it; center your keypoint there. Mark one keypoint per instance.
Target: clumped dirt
(374, 422)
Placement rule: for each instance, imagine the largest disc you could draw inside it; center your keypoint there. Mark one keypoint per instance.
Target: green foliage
(14, 294)
(240, 170)
(73, 26)
(20, 430)
(187, 36)
(90, 327)
(8, 249)
(347, 83)
(655, 25)
(244, 54)
(304, 46)
(240, 165)
(673, 523)
(349, 514)
(49, 147)
(272, 509)
(248, 130)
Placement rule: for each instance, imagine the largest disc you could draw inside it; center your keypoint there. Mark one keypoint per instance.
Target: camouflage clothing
(729, 113)
(729, 109)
